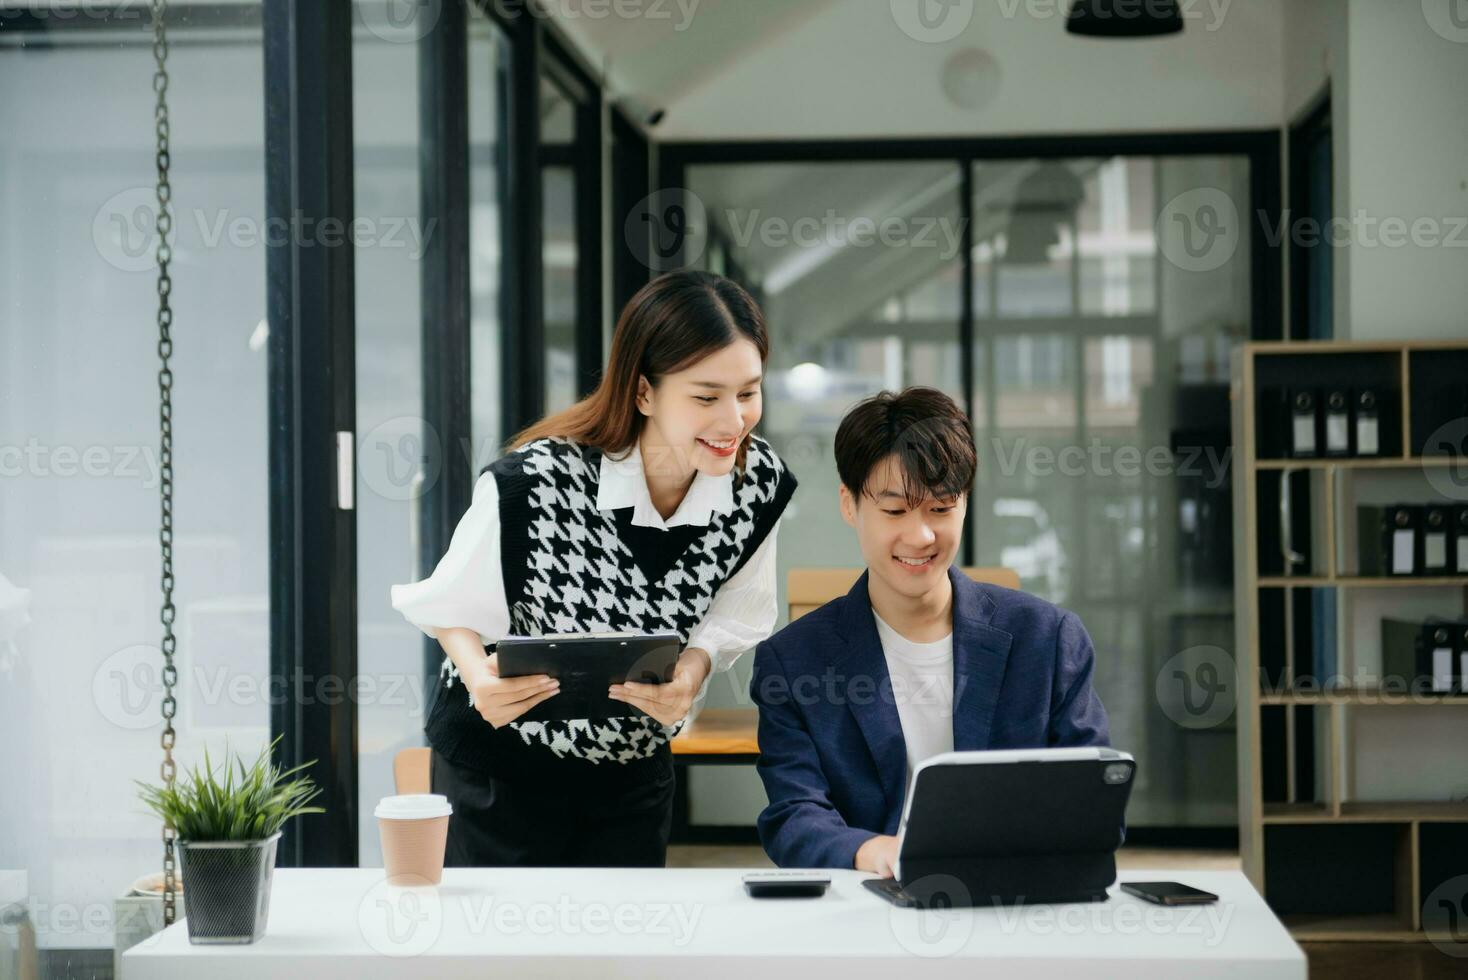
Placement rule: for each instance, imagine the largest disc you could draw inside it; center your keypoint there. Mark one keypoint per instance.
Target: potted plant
(226, 828)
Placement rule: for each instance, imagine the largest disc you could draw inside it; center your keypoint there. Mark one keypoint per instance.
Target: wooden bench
(728, 736)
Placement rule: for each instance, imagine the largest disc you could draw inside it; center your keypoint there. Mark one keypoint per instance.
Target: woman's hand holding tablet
(668, 703)
(500, 700)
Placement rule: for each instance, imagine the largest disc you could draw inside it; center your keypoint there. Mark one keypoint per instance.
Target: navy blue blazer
(832, 756)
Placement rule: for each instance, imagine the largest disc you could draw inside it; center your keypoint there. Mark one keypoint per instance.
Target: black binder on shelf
(1436, 656)
(1366, 423)
(1436, 541)
(1304, 430)
(1401, 657)
(1401, 540)
(1337, 427)
(1460, 540)
(1461, 656)
(1422, 657)
(1370, 534)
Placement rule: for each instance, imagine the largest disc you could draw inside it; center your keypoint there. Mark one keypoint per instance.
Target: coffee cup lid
(413, 806)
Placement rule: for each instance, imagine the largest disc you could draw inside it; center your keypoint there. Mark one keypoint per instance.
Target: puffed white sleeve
(743, 612)
(467, 588)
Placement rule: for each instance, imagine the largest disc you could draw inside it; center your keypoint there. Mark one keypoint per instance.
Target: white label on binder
(1434, 552)
(1442, 670)
(1402, 553)
(1337, 433)
(1367, 442)
(1463, 553)
(1304, 434)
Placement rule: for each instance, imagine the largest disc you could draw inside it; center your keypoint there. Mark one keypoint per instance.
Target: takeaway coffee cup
(414, 830)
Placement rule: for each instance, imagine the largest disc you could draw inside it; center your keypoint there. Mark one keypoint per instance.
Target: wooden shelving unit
(1394, 852)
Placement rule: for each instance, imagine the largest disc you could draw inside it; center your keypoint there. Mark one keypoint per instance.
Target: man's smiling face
(908, 545)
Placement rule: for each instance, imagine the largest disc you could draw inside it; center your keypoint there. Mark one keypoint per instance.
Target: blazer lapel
(872, 704)
(980, 653)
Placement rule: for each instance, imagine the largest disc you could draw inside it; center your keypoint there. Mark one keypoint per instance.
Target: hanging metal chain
(163, 227)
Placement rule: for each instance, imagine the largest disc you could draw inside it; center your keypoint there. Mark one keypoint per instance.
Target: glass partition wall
(80, 472)
(1097, 352)
(402, 456)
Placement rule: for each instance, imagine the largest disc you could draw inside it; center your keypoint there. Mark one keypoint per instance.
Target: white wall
(1407, 145)
(1401, 154)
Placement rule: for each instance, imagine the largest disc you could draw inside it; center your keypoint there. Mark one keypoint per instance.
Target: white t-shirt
(922, 686)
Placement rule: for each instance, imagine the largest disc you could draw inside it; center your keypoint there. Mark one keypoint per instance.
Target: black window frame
(1313, 125)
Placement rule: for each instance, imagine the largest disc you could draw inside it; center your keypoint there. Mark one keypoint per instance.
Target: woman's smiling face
(698, 417)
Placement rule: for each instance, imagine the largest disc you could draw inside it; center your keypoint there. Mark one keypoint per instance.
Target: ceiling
(675, 47)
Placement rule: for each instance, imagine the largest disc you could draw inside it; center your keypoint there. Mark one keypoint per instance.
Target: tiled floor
(1328, 961)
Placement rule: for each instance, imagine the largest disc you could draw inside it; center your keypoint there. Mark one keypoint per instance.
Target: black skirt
(549, 822)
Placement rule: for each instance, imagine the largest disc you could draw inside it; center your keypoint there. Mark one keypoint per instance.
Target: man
(915, 660)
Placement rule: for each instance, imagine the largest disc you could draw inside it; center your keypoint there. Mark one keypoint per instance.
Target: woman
(647, 507)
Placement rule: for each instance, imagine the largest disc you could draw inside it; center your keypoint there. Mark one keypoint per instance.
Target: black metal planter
(228, 888)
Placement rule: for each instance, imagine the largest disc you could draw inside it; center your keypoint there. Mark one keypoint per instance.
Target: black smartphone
(786, 884)
(1168, 893)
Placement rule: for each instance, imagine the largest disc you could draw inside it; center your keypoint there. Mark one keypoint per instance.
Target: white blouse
(467, 587)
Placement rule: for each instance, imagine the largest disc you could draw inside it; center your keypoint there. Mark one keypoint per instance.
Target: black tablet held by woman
(587, 664)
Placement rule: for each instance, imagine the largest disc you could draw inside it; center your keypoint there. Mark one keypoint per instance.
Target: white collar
(622, 483)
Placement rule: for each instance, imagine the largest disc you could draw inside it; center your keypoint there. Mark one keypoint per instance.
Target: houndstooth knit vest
(571, 568)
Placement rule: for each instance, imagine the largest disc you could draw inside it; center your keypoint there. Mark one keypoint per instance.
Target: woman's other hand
(668, 703)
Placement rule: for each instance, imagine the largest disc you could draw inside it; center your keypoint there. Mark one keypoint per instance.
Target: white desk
(696, 923)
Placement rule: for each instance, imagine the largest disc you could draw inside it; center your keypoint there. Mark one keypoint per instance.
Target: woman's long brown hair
(671, 323)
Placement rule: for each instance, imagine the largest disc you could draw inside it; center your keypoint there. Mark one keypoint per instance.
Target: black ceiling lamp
(1124, 18)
